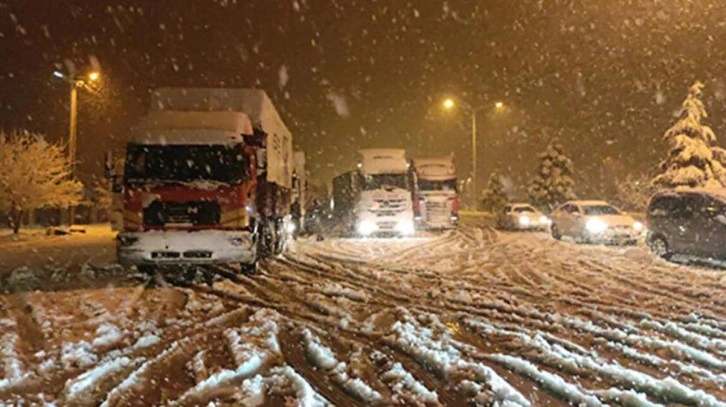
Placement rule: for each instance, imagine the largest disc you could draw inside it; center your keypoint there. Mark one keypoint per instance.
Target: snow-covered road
(470, 316)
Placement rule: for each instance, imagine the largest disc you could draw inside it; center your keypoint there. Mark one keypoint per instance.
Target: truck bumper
(185, 247)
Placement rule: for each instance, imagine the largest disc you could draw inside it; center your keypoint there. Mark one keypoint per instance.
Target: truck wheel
(249, 269)
(148, 269)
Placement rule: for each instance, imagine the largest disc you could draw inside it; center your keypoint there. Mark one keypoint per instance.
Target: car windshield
(379, 181)
(439, 185)
(520, 209)
(184, 163)
(595, 210)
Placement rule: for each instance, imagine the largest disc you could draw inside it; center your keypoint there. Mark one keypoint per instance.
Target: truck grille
(182, 213)
(389, 207)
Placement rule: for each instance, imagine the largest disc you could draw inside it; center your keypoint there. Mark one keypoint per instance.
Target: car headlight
(366, 227)
(637, 226)
(524, 220)
(544, 220)
(405, 227)
(596, 226)
(126, 241)
(290, 228)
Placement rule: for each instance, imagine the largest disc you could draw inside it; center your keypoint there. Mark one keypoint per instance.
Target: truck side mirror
(116, 186)
(108, 167)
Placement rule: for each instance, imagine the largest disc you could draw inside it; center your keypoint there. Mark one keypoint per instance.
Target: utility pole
(475, 185)
(75, 82)
(72, 143)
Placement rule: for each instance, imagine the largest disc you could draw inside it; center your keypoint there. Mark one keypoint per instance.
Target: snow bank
(77, 388)
(280, 381)
(437, 350)
(323, 358)
(78, 354)
(12, 366)
(146, 341)
(667, 389)
(405, 388)
(555, 384)
(252, 345)
(106, 335)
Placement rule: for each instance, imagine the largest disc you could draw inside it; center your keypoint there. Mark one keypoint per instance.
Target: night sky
(605, 77)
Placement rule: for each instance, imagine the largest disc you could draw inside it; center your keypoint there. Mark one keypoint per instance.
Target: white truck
(384, 194)
(437, 198)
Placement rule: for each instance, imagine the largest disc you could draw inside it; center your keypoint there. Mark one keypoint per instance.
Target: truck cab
(207, 179)
(385, 198)
(437, 196)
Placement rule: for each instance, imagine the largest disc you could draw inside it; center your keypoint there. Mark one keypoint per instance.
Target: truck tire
(249, 269)
(148, 269)
(266, 241)
(280, 236)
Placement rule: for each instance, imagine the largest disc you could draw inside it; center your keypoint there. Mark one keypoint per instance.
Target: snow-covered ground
(472, 316)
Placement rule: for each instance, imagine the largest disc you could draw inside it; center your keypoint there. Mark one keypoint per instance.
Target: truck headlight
(405, 227)
(596, 226)
(126, 241)
(637, 226)
(239, 241)
(524, 220)
(366, 227)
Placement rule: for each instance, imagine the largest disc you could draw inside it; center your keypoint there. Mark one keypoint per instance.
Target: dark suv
(689, 221)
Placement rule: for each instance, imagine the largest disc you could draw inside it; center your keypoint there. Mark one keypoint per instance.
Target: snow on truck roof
(174, 127)
(382, 160)
(253, 102)
(435, 168)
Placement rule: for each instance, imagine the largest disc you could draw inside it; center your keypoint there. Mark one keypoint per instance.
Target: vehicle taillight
(455, 204)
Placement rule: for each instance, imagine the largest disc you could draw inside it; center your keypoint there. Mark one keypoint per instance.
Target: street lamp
(75, 82)
(449, 104)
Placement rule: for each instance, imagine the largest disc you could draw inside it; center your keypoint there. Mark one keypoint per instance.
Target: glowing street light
(449, 104)
(499, 105)
(94, 76)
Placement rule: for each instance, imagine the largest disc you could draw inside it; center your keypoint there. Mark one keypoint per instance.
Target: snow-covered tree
(694, 160)
(33, 174)
(494, 197)
(553, 183)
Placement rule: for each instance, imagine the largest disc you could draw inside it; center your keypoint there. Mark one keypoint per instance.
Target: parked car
(594, 222)
(688, 221)
(522, 217)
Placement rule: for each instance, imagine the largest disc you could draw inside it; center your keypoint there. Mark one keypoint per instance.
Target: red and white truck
(207, 179)
(438, 199)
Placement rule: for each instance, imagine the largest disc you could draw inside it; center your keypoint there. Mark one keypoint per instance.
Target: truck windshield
(442, 185)
(377, 181)
(184, 163)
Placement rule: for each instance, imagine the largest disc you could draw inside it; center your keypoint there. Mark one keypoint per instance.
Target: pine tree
(493, 197)
(693, 160)
(553, 183)
(33, 174)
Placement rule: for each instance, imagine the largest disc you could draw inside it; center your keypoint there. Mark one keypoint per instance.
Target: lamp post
(450, 104)
(75, 82)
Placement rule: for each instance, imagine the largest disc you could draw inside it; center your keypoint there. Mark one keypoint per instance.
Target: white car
(522, 217)
(594, 222)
